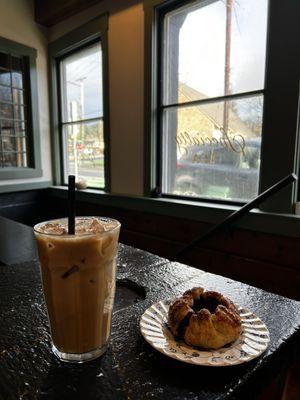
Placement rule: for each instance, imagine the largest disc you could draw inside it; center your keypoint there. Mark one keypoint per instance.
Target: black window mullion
(1, 149)
(82, 120)
(157, 190)
(213, 99)
(60, 148)
(280, 145)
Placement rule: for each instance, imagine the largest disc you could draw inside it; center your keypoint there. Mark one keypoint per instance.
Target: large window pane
(213, 48)
(18, 103)
(201, 160)
(13, 132)
(84, 152)
(81, 84)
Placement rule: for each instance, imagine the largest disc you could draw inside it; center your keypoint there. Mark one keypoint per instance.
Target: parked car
(217, 172)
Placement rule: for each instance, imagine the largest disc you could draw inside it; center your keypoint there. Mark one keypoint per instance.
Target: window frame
(279, 58)
(34, 153)
(87, 34)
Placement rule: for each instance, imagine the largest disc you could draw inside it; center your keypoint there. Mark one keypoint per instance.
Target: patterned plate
(252, 342)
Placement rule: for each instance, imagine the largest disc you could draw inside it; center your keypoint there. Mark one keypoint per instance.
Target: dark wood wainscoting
(267, 261)
(26, 207)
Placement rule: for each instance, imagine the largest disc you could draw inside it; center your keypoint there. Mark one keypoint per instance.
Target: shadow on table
(206, 382)
(93, 380)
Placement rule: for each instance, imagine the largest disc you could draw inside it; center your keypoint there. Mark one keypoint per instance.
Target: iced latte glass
(78, 274)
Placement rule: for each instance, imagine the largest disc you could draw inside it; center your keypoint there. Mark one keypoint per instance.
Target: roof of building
(214, 111)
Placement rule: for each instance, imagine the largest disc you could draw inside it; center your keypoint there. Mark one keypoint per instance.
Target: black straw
(71, 197)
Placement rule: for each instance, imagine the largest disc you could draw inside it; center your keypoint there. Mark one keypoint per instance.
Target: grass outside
(94, 182)
(89, 163)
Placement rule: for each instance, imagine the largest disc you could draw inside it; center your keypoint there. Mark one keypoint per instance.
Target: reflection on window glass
(84, 152)
(8, 143)
(6, 111)
(19, 113)
(211, 148)
(82, 115)
(18, 96)
(14, 159)
(17, 79)
(206, 161)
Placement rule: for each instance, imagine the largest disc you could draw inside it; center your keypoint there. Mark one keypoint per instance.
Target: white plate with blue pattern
(252, 342)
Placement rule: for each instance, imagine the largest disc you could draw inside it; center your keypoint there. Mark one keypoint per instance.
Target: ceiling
(50, 12)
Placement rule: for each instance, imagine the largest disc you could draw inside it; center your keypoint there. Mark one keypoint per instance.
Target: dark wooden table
(131, 369)
(16, 242)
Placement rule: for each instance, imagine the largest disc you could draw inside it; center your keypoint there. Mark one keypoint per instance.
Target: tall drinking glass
(78, 273)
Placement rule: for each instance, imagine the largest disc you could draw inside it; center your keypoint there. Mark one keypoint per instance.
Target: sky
(201, 54)
(202, 47)
(83, 72)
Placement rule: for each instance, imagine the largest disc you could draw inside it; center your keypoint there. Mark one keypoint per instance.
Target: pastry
(204, 318)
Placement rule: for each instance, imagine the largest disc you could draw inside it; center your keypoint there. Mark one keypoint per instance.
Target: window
(79, 82)
(82, 115)
(13, 109)
(19, 152)
(222, 93)
(212, 68)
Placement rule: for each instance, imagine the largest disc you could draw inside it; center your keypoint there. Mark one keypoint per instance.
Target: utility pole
(227, 91)
(79, 116)
(81, 85)
(74, 135)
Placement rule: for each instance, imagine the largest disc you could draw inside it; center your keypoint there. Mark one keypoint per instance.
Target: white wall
(17, 23)
(126, 87)
(126, 81)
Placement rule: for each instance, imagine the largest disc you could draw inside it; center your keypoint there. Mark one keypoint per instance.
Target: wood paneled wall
(26, 207)
(267, 261)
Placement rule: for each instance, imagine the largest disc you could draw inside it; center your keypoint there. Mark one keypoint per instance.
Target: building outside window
(79, 108)
(19, 136)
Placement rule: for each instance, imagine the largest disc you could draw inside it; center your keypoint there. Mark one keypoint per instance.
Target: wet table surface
(131, 369)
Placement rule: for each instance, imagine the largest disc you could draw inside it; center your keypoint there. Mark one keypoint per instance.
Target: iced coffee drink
(78, 273)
